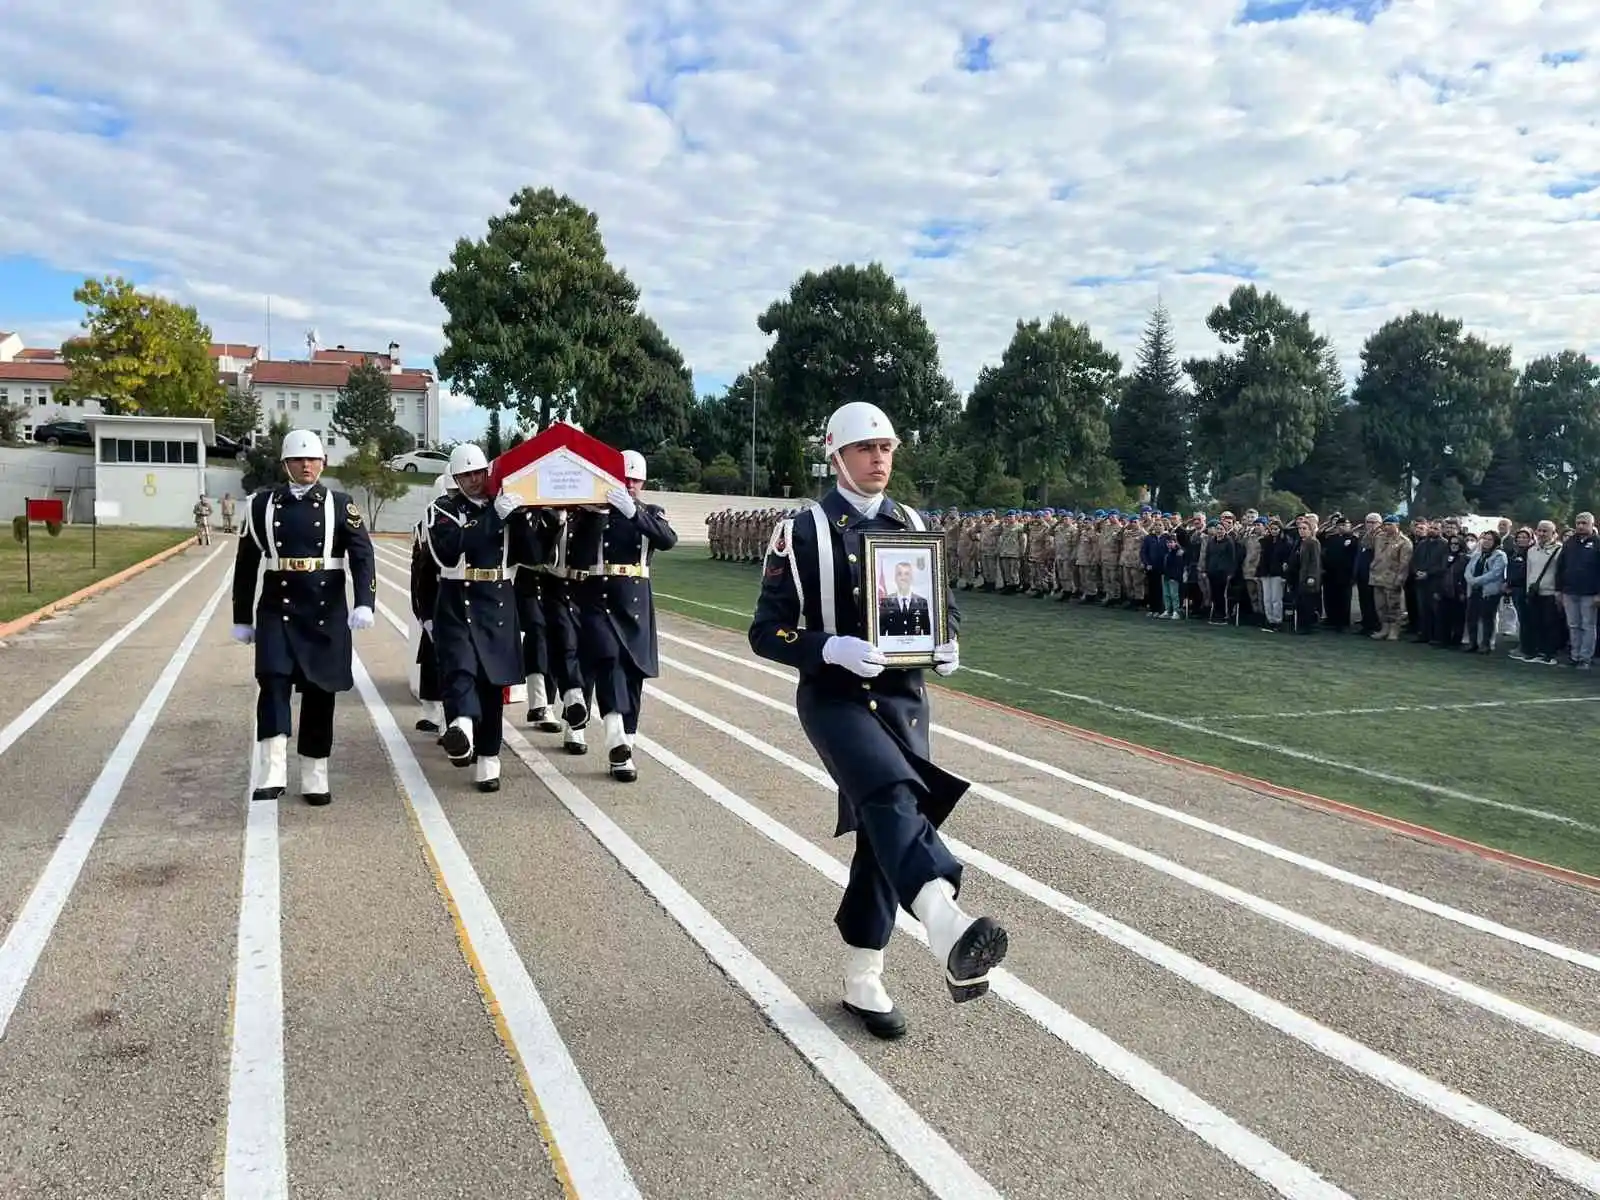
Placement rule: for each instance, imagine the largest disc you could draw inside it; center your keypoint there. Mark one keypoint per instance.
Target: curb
(1421, 833)
(11, 628)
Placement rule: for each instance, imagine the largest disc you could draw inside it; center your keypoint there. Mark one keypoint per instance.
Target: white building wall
(150, 493)
(309, 408)
(40, 404)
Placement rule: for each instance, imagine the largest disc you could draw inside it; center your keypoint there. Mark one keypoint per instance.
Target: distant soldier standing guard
(227, 512)
(477, 635)
(202, 521)
(307, 537)
(869, 725)
(618, 622)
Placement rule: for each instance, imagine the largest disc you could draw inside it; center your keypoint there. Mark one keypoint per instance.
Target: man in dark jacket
(869, 724)
(309, 538)
(1578, 584)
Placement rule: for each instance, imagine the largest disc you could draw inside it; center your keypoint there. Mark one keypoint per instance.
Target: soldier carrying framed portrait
(911, 615)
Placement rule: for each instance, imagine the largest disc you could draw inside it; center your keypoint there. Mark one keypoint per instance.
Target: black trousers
(427, 669)
(898, 852)
(275, 716)
(468, 694)
(619, 688)
(1369, 608)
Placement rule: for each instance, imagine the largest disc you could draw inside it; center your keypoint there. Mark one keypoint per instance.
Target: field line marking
(1460, 989)
(36, 921)
(923, 1150)
(30, 716)
(582, 1152)
(1581, 958)
(1487, 1122)
(1215, 1128)
(256, 1162)
(733, 612)
(1398, 708)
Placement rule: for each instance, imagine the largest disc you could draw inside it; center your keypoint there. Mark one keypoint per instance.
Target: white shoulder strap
(915, 518)
(781, 543)
(329, 516)
(269, 519)
(826, 599)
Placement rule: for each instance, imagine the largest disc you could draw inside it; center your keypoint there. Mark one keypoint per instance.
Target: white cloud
(329, 154)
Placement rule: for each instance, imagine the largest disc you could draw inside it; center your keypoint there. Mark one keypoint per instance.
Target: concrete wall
(35, 472)
(150, 494)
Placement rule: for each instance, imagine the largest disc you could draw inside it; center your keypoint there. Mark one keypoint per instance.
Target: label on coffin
(560, 479)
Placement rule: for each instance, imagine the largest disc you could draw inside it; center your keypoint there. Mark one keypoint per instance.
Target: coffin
(562, 467)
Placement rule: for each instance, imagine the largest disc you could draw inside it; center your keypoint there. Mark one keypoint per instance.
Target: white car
(428, 462)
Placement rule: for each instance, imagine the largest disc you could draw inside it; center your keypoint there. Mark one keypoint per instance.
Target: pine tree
(494, 439)
(1148, 437)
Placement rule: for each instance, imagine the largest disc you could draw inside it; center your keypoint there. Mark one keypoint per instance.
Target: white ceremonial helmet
(857, 421)
(633, 465)
(302, 443)
(443, 484)
(467, 457)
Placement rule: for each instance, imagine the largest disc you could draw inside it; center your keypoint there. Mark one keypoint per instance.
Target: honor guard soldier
(535, 586)
(578, 538)
(306, 538)
(476, 634)
(869, 725)
(617, 639)
(424, 587)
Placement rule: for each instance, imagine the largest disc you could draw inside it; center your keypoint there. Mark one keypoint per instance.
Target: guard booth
(149, 470)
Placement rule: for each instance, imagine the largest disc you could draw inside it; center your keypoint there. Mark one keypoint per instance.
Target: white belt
(304, 564)
(460, 574)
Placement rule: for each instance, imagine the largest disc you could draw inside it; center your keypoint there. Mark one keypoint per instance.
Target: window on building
(138, 450)
(27, 396)
(422, 442)
(316, 404)
(280, 399)
(294, 403)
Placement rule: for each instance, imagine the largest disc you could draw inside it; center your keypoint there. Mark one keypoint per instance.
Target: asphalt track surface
(584, 988)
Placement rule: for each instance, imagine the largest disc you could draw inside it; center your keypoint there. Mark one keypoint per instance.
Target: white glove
(427, 628)
(854, 654)
(947, 658)
(244, 633)
(505, 504)
(619, 499)
(361, 618)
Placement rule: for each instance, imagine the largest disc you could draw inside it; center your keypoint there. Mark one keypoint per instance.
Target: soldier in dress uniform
(424, 587)
(308, 538)
(576, 538)
(869, 725)
(474, 543)
(534, 586)
(617, 641)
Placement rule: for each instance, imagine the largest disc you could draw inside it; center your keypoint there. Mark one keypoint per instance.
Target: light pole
(758, 390)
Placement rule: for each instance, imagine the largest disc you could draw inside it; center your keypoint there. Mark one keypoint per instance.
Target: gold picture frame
(905, 567)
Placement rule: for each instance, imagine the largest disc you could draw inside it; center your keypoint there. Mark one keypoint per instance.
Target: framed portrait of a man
(911, 615)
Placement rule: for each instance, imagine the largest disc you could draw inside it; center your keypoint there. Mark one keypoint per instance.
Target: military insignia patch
(787, 635)
(353, 509)
(842, 520)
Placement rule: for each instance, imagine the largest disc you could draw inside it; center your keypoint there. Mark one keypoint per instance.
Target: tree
(1149, 438)
(1258, 408)
(239, 413)
(1045, 407)
(851, 333)
(365, 471)
(11, 418)
(494, 442)
(364, 411)
(534, 309)
(262, 466)
(395, 441)
(141, 354)
(1434, 402)
(1556, 434)
(645, 395)
(1337, 475)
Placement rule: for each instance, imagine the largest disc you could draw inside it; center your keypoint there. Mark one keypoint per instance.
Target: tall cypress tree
(1148, 435)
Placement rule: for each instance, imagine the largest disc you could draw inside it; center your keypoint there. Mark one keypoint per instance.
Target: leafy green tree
(395, 441)
(11, 418)
(534, 310)
(722, 475)
(645, 395)
(1435, 401)
(493, 437)
(239, 413)
(1149, 438)
(364, 411)
(1046, 406)
(1257, 408)
(141, 354)
(674, 468)
(851, 333)
(1337, 475)
(1556, 431)
(262, 467)
(365, 473)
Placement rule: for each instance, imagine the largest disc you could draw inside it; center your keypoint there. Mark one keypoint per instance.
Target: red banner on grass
(49, 511)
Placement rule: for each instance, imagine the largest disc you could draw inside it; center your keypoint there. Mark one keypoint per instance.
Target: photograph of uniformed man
(909, 620)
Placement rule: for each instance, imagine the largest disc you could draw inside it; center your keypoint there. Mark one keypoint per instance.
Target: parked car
(228, 448)
(427, 462)
(63, 433)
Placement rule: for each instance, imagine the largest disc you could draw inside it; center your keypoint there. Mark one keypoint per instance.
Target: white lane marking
(733, 612)
(256, 1162)
(31, 930)
(1570, 1164)
(1580, 958)
(1211, 1125)
(1397, 708)
(1501, 1006)
(917, 1144)
(30, 716)
(1319, 760)
(582, 1143)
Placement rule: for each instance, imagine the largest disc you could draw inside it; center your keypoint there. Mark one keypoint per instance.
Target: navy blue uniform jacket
(869, 733)
(302, 622)
(475, 623)
(618, 611)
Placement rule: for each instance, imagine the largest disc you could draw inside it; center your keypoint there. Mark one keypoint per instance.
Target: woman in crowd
(1485, 578)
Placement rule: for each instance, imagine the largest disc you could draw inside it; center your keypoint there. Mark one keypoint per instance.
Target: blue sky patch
(1582, 185)
(941, 239)
(1263, 12)
(32, 292)
(975, 56)
(1223, 266)
(1558, 58)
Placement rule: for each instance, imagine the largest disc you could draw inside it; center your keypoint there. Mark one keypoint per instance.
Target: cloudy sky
(1003, 159)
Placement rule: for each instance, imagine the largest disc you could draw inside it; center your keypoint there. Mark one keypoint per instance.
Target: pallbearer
(534, 586)
(618, 631)
(424, 587)
(579, 534)
(474, 543)
(869, 725)
(308, 538)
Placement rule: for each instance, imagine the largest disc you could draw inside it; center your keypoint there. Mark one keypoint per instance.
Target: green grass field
(62, 565)
(1297, 711)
